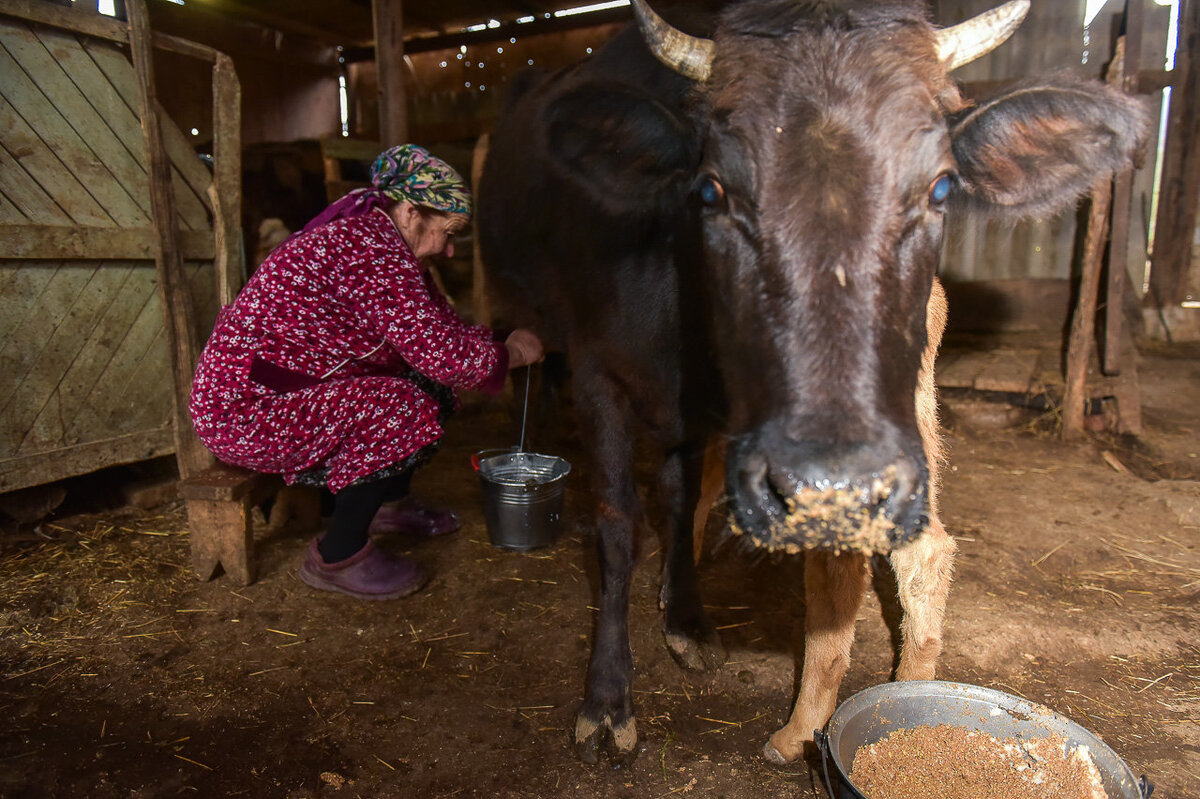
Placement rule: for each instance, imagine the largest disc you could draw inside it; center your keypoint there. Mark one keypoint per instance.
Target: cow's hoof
(593, 739)
(772, 754)
(703, 654)
(778, 751)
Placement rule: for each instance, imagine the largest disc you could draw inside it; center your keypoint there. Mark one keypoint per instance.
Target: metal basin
(871, 715)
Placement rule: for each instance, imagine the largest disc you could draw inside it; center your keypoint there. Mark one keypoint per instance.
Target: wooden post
(389, 63)
(481, 307)
(226, 194)
(1179, 193)
(1083, 320)
(172, 283)
(1118, 248)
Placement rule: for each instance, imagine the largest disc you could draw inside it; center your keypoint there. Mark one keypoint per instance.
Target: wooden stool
(219, 500)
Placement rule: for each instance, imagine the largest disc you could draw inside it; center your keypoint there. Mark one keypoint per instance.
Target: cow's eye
(939, 190)
(711, 192)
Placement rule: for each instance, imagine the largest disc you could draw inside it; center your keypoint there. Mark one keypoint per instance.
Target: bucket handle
(1146, 787)
(483, 453)
(822, 742)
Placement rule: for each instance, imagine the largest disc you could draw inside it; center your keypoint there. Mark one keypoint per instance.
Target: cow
(737, 235)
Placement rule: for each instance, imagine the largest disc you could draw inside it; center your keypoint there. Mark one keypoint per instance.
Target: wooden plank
(39, 396)
(60, 17)
(75, 155)
(44, 167)
(1179, 199)
(222, 483)
(111, 403)
(1083, 319)
(25, 193)
(178, 311)
(191, 170)
(93, 132)
(959, 372)
(116, 298)
(21, 284)
(127, 400)
(192, 178)
(85, 387)
(1122, 200)
(1009, 370)
(229, 264)
(39, 320)
(63, 242)
(46, 467)
(9, 213)
(101, 27)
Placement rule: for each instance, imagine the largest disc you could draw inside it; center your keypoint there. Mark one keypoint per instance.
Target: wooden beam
(1083, 319)
(1180, 187)
(452, 41)
(389, 62)
(70, 242)
(44, 467)
(177, 308)
(1122, 200)
(226, 188)
(480, 303)
(98, 26)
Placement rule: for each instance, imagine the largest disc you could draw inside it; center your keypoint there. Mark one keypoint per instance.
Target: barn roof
(347, 23)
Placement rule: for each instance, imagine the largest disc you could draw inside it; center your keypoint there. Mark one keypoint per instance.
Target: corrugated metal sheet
(1052, 38)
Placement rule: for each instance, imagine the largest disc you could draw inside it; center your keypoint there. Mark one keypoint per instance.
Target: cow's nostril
(760, 487)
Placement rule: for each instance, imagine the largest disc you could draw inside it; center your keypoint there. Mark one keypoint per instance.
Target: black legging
(353, 508)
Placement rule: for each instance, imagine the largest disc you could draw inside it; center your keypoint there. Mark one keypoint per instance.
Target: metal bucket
(871, 715)
(522, 497)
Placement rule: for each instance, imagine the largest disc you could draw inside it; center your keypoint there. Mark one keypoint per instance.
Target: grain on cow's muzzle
(789, 509)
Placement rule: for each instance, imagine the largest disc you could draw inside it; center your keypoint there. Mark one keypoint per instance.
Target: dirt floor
(122, 676)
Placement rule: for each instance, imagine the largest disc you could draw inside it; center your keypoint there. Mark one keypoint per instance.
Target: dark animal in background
(739, 235)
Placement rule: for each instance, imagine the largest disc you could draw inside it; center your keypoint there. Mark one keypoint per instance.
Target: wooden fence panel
(190, 177)
(85, 370)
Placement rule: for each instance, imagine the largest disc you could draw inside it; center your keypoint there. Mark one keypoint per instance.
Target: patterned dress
(331, 355)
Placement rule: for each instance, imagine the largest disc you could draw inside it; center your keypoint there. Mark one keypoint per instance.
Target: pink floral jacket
(311, 367)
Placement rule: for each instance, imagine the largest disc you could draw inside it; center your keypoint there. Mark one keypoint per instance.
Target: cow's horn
(690, 56)
(978, 36)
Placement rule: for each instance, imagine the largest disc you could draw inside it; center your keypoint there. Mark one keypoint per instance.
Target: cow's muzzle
(789, 497)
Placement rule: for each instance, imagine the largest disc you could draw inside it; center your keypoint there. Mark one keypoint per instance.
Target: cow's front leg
(606, 719)
(923, 567)
(833, 589)
(690, 636)
(923, 571)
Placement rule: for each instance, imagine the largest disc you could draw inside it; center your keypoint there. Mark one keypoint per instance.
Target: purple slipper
(369, 573)
(409, 517)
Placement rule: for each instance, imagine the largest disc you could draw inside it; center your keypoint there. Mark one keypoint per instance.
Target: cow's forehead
(876, 95)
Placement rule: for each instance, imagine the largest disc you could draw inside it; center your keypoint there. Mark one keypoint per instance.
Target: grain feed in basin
(950, 762)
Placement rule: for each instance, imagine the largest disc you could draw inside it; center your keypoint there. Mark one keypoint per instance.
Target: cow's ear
(626, 153)
(1035, 148)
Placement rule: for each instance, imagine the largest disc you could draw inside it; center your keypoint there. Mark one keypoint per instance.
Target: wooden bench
(219, 500)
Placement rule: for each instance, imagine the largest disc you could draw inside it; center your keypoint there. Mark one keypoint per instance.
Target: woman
(338, 362)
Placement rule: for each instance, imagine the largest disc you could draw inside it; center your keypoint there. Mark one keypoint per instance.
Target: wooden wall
(85, 374)
(289, 84)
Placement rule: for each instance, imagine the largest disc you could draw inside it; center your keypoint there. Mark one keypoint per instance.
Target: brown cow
(738, 235)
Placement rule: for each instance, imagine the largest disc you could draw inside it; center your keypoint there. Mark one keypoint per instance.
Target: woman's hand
(523, 348)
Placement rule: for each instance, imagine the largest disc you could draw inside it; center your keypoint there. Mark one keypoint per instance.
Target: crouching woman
(338, 364)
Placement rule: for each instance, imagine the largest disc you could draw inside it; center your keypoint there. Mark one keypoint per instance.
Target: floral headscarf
(410, 173)
(407, 173)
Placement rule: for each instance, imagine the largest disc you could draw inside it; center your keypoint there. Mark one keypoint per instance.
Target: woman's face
(429, 233)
